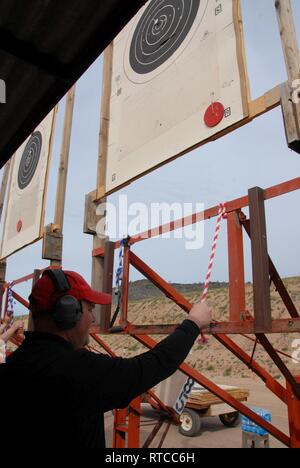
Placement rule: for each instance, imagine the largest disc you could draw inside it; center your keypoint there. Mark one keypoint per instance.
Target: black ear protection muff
(67, 310)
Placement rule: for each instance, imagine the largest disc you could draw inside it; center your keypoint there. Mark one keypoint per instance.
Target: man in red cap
(53, 306)
(65, 388)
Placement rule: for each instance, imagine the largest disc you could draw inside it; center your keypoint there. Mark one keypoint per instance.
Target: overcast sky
(255, 155)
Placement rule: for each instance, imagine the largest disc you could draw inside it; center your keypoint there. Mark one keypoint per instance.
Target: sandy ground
(214, 434)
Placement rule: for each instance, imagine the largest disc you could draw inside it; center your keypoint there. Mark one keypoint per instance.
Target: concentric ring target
(161, 30)
(29, 160)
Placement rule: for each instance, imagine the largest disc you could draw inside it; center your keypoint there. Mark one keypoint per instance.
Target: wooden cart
(201, 403)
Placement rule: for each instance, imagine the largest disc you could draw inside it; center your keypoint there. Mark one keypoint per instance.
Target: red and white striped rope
(221, 216)
(182, 399)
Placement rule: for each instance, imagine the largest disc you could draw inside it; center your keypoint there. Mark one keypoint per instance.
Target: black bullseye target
(29, 160)
(160, 32)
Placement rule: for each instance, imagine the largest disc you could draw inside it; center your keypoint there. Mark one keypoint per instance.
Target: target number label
(184, 395)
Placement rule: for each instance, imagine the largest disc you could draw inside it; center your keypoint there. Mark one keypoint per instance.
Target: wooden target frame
(25, 210)
(280, 95)
(137, 156)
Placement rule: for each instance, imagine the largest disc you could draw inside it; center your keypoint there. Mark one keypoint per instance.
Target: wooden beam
(105, 116)
(260, 262)
(265, 103)
(4, 182)
(90, 216)
(290, 118)
(64, 160)
(57, 226)
(52, 245)
(288, 38)
(98, 242)
(4, 185)
(290, 108)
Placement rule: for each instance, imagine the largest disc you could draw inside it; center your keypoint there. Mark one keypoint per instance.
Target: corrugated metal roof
(45, 46)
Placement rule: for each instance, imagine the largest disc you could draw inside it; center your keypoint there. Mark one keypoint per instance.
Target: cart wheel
(231, 419)
(190, 423)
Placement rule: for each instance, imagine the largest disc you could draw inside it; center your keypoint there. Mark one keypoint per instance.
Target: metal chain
(119, 279)
(10, 302)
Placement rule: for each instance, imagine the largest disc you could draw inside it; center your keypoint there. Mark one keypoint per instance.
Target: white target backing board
(24, 218)
(178, 78)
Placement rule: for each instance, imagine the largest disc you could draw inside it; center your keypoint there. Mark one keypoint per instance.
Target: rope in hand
(187, 388)
(119, 278)
(221, 216)
(10, 303)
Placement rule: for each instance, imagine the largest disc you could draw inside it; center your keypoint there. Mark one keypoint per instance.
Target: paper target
(23, 223)
(178, 78)
(159, 33)
(30, 159)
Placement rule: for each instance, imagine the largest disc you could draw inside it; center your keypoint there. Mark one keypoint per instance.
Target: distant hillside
(144, 289)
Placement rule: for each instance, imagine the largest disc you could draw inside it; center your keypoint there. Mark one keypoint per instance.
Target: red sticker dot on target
(214, 114)
(19, 225)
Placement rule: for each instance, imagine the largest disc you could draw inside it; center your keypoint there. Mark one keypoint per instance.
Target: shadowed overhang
(45, 46)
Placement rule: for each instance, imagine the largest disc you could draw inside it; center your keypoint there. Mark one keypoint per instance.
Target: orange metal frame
(240, 321)
(126, 430)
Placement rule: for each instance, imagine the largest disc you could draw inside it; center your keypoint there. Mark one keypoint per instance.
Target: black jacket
(53, 395)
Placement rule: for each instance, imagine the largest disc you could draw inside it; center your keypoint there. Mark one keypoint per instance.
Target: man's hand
(200, 314)
(15, 329)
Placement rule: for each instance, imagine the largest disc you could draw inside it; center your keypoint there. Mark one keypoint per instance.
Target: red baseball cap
(44, 293)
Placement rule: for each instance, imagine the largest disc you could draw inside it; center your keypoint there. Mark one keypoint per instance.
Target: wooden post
(53, 237)
(289, 96)
(98, 262)
(260, 262)
(288, 38)
(64, 161)
(104, 121)
(2, 198)
(4, 185)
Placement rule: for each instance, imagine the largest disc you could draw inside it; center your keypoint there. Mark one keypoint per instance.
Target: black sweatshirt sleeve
(115, 382)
